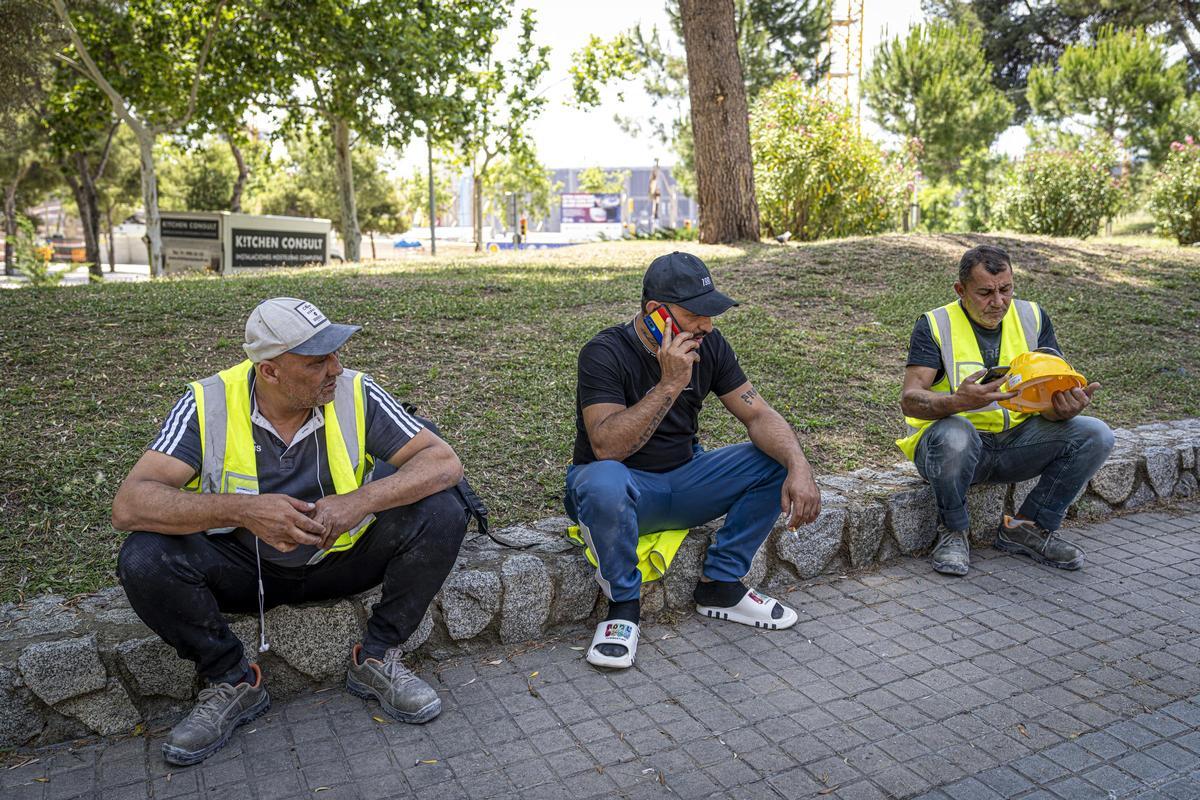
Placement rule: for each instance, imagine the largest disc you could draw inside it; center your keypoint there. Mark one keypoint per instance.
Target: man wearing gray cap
(287, 479)
(638, 467)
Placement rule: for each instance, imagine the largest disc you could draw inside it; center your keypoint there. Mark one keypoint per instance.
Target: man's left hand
(337, 513)
(800, 499)
(1069, 404)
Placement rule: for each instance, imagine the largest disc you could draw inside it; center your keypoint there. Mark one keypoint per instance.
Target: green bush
(969, 201)
(1175, 194)
(814, 173)
(667, 233)
(28, 260)
(1063, 193)
(939, 206)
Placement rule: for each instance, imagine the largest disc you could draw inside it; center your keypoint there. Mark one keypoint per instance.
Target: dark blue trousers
(614, 504)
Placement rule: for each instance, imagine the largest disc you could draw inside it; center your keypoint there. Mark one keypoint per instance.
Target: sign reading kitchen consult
(262, 248)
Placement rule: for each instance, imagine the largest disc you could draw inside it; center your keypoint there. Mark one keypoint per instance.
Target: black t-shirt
(615, 367)
(923, 351)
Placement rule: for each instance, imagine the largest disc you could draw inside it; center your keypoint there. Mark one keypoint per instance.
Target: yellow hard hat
(1036, 376)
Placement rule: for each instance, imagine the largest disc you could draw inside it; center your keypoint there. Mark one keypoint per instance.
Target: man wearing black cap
(286, 479)
(638, 467)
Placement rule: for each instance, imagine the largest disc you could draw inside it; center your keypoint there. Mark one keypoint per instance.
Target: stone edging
(88, 666)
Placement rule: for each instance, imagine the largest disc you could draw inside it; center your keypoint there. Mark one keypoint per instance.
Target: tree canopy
(1018, 35)
(934, 85)
(775, 38)
(1120, 85)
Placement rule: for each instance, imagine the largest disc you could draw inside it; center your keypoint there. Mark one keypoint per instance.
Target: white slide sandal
(614, 631)
(755, 610)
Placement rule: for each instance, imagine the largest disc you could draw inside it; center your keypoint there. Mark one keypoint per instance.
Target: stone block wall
(88, 666)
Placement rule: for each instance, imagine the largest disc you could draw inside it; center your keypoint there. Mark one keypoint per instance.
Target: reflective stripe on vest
(229, 464)
(961, 358)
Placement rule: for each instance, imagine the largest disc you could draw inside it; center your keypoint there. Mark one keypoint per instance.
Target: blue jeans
(615, 504)
(953, 455)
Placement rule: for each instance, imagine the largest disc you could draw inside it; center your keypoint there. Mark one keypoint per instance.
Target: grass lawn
(487, 347)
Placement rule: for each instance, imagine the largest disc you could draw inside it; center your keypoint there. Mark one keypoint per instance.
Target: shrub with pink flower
(815, 175)
(1064, 192)
(1175, 193)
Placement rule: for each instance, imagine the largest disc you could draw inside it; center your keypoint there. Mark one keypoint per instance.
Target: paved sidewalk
(1019, 681)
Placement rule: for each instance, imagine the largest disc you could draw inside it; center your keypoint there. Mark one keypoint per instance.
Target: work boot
(401, 694)
(1025, 537)
(952, 553)
(219, 709)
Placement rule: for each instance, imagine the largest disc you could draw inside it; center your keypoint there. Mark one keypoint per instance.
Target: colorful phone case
(658, 320)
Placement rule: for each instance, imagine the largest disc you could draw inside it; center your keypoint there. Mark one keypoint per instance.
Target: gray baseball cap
(289, 325)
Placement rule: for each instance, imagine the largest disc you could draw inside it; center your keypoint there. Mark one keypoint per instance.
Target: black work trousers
(180, 585)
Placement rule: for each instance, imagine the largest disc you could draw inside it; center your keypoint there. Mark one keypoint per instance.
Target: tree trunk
(477, 210)
(88, 203)
(432, 203)
(351, 236)
(235, 202)
(10, 217)
(720, 122)
(153, 239)
(112, 246)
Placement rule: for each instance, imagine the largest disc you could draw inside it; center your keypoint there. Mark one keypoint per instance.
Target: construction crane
(844, 46)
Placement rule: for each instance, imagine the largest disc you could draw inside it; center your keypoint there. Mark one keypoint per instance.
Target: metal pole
(432, 204)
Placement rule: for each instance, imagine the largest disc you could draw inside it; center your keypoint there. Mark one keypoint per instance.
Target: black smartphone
(994, 374)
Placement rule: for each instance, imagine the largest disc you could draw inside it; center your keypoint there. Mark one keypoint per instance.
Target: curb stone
(88, 665)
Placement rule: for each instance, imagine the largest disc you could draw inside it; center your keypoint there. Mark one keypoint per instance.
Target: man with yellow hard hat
(1025, 424)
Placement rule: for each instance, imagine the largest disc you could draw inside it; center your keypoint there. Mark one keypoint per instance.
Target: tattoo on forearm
(748, 397)
(922, 403)
(652, 425)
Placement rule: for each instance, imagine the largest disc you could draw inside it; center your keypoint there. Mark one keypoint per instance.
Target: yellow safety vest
(228, 457)
(655, 551)
(961, 358)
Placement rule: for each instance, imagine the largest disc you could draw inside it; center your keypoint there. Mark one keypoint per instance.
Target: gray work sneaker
(1022, 536)
(952, 553)
(401, 694)
(219, 709)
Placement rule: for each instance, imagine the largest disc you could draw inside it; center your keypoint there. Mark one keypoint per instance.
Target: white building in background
(675, 209)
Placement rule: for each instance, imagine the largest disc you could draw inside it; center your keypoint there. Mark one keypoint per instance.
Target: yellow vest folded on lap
(655, 551)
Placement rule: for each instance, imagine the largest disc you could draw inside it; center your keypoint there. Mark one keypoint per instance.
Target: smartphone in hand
(657, 322)
(994, 374)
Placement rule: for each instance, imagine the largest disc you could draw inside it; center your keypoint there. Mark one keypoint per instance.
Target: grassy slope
(487, 347)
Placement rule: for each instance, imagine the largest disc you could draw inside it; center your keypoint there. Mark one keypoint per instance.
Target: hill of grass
(487, 347)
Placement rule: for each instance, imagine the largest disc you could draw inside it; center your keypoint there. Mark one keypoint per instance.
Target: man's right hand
(281, 521)
(676, 356)
(971, 395)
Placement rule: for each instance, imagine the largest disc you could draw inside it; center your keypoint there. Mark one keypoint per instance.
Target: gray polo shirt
(300, 469)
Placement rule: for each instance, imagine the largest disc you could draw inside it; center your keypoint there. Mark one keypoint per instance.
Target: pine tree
(935, 85)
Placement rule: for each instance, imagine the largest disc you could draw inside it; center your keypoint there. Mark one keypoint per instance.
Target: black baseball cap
(681, 278)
